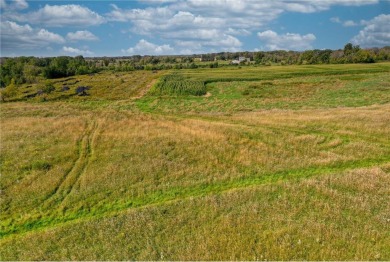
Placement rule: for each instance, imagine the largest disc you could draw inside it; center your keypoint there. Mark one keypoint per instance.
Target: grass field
(272, 163)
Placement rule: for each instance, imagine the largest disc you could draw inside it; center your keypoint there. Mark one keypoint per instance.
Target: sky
(181, 27)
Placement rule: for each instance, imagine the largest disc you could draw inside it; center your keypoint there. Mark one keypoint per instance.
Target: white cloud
(347, 23)
(20, 4)
(123, 15)
(3, 4)
(186, 25)
(192, 15)
(225, 42)
(322, 5)
(193, 46)
(76, 51)
(62, 15)
(144, 47)
(195, 34)
(81, 36)
(376, 33)
(13, 5)
(15, 36)
(158, 2)
(238, 32)
(249, 6)
(188, 52)
(350, 23)
(335, 20)
(215, 23)
(198, 39)
(204, 24)
(288, 41)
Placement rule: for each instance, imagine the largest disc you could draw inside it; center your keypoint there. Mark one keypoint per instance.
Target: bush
(10, 91)
(48, 88)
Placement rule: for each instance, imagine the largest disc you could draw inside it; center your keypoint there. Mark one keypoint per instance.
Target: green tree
(348, 49)
(10, 91)
(30, 72)
(258, 57)
(364, 56)
(324, 56)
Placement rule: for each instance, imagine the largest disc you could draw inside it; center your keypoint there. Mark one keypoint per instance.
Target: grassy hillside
(236, 90)
(272, 163)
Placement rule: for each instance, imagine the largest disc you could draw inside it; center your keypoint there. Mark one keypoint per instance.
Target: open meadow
(231, 163)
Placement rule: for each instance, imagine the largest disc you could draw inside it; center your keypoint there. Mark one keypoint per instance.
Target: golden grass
(96, 179)
(129, 157)
(102, 86)
(334, 217)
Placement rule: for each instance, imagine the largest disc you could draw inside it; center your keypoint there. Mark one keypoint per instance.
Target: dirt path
(144, 90)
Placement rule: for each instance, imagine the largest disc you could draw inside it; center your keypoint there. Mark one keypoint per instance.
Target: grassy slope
(303, 87)
(337, 217)
(105, 166)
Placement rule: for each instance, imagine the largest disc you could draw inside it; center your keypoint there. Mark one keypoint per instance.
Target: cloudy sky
(158, 27)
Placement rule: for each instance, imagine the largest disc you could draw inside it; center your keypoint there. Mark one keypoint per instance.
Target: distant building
(241, 59)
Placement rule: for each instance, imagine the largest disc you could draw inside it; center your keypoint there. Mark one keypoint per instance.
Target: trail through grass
(121, 158)
(71, 180)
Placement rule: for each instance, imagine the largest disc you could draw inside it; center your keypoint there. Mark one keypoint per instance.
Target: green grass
(175, 84)
(292, 166)
(282, 72)
(342, 216)
(103, 86)
(291, 87)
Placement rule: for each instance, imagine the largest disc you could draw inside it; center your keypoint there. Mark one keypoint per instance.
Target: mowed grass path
(138, 179)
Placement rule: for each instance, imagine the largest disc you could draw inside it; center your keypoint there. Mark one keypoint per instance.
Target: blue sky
(160, 27)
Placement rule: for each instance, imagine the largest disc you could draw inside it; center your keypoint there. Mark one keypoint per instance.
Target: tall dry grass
(335, 217)
(120, 177)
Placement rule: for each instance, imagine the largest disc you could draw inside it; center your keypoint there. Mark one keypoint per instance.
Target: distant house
(240, 59)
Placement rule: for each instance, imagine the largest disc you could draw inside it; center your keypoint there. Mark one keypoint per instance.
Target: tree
(58, 68)
(258, 57)
(324, 56)
(154, 60)
(10, 91)
(356, 48)
(307, 57)
(348, 49)
(106, 62)
(351, 53)
(364, 56)
(30, 72)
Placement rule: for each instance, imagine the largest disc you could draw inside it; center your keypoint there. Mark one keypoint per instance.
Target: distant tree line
(350, 54)
(22, 70)
(30, 69)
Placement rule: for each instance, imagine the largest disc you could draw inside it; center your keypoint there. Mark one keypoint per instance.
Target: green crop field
(251, 163)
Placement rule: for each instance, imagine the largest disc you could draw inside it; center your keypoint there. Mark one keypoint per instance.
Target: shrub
(10, 91)
(48, 88)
